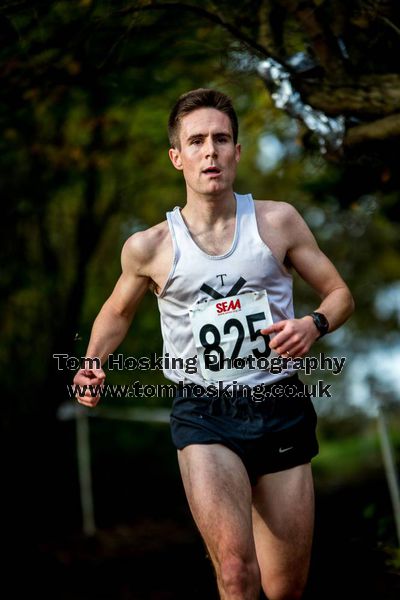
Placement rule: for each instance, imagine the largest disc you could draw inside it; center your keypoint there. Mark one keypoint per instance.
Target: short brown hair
(200, 98)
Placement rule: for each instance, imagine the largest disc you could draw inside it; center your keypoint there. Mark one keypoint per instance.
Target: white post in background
(85, 473)
(387, 455)
(69, 410)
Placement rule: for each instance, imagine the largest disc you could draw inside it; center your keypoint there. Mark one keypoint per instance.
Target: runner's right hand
(92, 378)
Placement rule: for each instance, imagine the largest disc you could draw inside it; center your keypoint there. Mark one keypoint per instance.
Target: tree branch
(368, 95)
(321, 37)
(271, 18)
(390, 24)
(381, 129)
(205, 14)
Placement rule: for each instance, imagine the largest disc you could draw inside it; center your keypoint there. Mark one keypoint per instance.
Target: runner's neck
(208, 212)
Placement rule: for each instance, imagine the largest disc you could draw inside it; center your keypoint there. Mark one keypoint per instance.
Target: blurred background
(86, 89)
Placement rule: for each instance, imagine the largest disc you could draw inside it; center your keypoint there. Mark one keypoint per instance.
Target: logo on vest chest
(228, 306)
(210, 291)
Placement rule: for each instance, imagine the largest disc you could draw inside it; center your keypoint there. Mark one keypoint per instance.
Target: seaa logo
(228, 306)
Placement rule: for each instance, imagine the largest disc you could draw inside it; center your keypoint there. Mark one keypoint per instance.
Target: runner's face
(208, 156)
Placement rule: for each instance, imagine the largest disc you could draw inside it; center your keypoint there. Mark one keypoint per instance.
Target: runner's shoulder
(276, 213)
(285, 220)
(143, 246)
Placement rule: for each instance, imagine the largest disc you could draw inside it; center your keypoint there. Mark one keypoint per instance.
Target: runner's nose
(210, 149)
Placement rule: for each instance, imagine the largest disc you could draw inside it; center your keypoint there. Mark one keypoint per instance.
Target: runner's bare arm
(295, 336)
(115, 317)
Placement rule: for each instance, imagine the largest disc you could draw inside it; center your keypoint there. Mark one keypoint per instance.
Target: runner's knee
(237, 575)
(283, 589)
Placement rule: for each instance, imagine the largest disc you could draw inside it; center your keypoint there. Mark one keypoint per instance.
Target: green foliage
(350, 451)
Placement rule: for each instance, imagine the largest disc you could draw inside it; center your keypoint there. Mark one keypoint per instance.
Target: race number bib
(227, 334)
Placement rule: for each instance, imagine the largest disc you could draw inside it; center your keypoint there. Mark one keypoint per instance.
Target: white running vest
(212, 307)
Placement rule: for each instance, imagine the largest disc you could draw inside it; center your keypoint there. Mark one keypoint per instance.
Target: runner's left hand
(294, 337)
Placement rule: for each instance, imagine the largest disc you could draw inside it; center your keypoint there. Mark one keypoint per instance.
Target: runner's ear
(175, 157)
(238, 150)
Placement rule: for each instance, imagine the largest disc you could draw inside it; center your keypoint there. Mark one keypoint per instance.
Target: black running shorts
(270, 434)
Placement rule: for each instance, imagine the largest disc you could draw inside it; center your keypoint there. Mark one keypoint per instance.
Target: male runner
(220, 268)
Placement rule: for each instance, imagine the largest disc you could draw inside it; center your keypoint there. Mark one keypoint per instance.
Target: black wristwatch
(321, 323)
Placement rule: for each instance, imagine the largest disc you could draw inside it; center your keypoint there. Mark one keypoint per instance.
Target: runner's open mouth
(212, 170)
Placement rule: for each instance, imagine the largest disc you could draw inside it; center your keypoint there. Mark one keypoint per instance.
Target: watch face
(321, 322)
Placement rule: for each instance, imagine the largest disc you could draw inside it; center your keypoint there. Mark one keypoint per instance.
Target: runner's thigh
(219, 495)
(283, 521)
